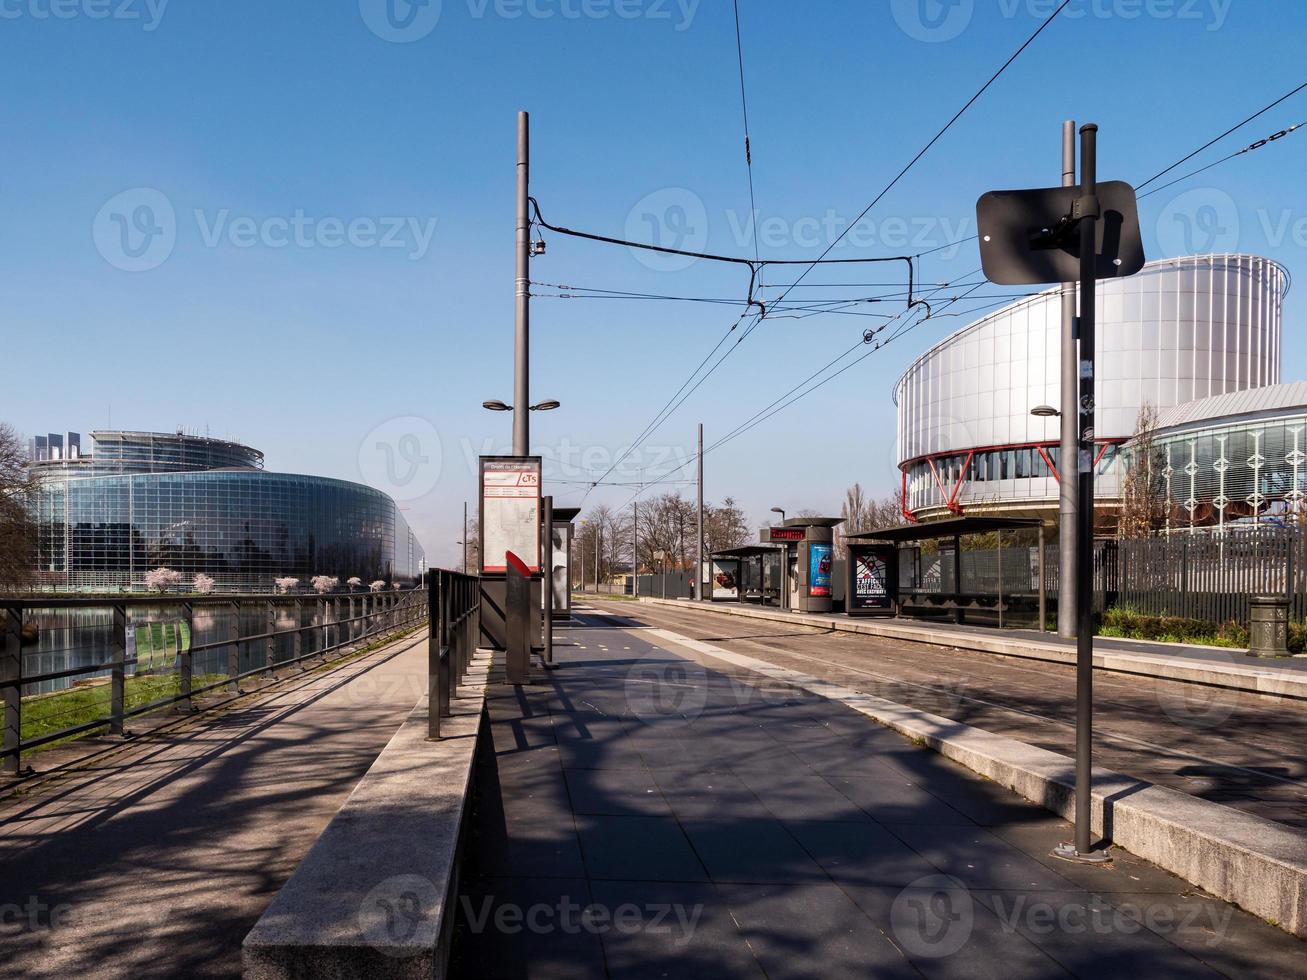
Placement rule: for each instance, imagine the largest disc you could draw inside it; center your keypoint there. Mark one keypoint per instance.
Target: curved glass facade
(244, 527)
(1181, 329)
(1235, 465)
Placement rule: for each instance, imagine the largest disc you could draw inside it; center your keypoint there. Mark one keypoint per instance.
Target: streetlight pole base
(1067, 852)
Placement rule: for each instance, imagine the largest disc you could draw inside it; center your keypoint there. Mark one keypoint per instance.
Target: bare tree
(864, 513)
(1143, 507)
(19, 485)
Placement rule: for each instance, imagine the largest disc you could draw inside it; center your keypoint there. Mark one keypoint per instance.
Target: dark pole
(548, 568)
(522, 330)
(1066, 529)
(1088, 209)
(698, 568)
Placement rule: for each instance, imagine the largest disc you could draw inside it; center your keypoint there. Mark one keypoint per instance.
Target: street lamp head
(1045, 412)
(495, 405)
(546, 406)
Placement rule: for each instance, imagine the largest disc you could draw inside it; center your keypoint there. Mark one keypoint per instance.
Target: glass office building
(1184, 329)
(143, 500)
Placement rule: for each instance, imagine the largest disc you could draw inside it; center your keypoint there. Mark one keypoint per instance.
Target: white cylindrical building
(1182, 329)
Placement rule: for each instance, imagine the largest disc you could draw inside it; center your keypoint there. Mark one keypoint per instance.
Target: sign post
(510, 523)
(1054, 235)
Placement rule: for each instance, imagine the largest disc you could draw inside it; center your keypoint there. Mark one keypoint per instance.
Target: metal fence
(94, 663)
(454, 631)
(1204, 576)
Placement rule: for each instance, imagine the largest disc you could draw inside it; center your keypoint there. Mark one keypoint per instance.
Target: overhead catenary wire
(1212, 142)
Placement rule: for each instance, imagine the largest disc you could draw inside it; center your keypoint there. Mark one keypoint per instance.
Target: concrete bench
(374, 897)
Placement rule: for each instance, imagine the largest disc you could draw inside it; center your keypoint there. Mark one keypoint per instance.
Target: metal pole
(1000, 579)
(1088, 207)
(1043, 586)
(698, 560)
(599, 534)
(1066, 532)
(465, 537)
(635, 549)
(549, 579)
(11, 672)
(522, 333)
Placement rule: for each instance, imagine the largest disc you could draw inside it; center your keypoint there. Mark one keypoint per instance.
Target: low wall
(374, 896)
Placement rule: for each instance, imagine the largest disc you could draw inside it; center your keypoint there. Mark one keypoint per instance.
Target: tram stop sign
(1033, 236)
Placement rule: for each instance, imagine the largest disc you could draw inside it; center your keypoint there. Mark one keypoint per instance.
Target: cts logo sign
(136, 230)
(932, 20)
(400, 21)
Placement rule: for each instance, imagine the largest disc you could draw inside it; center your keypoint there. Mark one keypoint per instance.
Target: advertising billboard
(725, 579)
(872, 572)
(510, 511)
(819, 569)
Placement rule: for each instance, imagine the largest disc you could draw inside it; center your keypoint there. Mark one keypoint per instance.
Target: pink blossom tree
(161, 579)
(324, 583)
(284, 585)
(378, 585)
(203, 584)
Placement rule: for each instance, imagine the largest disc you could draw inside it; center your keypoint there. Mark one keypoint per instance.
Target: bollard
(1268, 629)
(118, 670)
(11, 675)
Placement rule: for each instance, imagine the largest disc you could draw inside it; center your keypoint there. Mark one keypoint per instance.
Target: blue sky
(336, 272)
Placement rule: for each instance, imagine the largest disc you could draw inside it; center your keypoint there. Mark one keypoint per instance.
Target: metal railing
(368, 615)
(454, 628)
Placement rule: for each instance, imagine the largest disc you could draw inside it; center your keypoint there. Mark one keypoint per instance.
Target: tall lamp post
(781, 511)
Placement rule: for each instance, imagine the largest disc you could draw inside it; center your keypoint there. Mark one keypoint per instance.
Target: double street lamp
(495, 405)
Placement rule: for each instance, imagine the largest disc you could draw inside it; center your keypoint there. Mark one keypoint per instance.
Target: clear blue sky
(243, 114)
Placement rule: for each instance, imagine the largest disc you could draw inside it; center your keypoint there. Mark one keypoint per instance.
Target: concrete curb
(1254, 863)
(1252, 678)
(372, 898)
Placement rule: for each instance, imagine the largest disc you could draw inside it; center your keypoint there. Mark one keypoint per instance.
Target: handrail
(40, 600)
(454, 628)
(383, 613)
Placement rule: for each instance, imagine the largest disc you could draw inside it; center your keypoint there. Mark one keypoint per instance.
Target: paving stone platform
(640, 813)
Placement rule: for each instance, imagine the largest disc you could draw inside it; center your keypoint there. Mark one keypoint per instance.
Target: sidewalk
(642, 813)
(157, 861)
(1214, 666)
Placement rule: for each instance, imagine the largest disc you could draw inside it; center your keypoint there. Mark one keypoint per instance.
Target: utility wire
(748, 147)
(1200, 149)
(934, 139)
(1247, 149)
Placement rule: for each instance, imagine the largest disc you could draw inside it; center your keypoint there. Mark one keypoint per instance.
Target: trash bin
(1268, 629)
